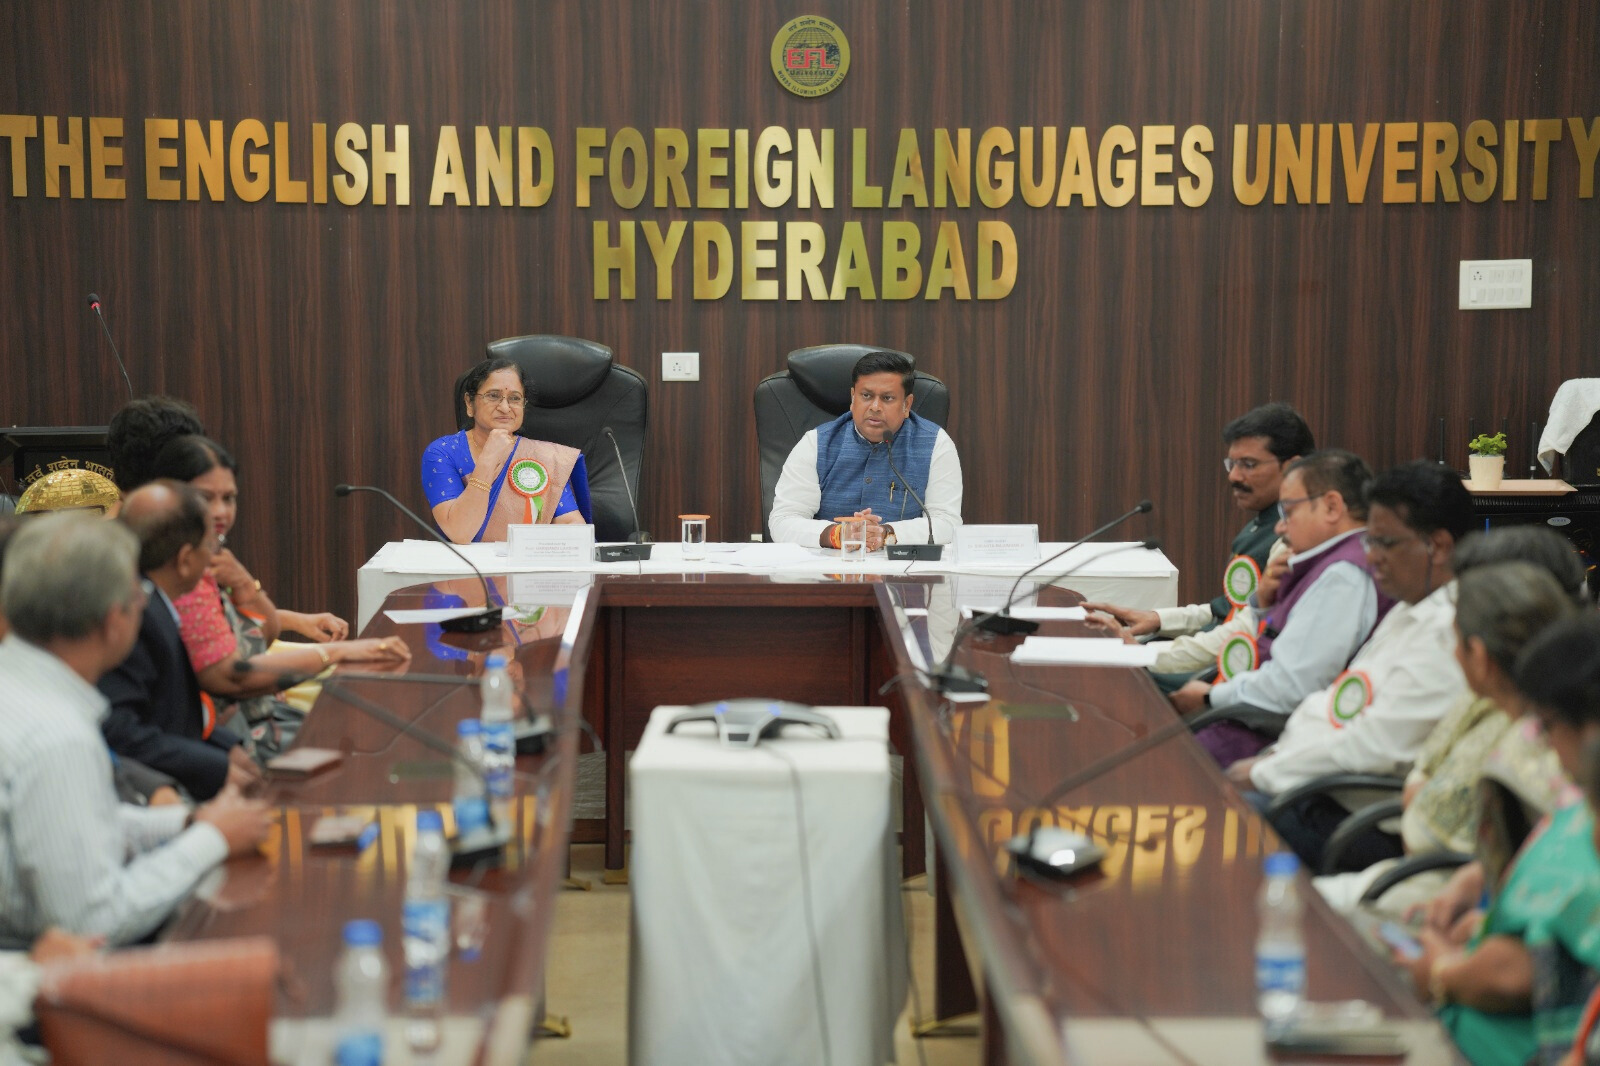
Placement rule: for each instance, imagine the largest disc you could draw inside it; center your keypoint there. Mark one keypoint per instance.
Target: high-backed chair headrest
(823, 372)
(568, 368)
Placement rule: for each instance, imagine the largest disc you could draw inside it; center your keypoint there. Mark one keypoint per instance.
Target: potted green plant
(1487, 462)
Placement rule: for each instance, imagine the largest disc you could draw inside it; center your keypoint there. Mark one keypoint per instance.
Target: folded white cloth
(1575, 404)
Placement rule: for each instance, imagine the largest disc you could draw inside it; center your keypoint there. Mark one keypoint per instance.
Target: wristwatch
(889, 537)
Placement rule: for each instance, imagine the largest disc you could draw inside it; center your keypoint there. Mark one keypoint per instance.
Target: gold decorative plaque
(810, 56)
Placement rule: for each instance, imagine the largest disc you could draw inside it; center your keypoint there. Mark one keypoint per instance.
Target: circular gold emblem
(810, 56)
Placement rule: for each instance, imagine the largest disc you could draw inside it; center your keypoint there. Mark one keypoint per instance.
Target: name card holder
(557, 546)
(997, 545)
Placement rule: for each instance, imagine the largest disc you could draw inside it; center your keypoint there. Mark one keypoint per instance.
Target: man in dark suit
(157, 716)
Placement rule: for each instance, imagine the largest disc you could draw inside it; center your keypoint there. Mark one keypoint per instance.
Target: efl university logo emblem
(810, 56)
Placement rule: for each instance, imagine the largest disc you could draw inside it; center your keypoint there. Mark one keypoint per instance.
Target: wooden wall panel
(319, 340)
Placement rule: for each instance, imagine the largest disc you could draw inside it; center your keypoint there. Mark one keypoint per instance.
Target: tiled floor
(588, 975)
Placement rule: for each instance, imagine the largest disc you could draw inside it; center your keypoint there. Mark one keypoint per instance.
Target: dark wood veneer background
(319, 341)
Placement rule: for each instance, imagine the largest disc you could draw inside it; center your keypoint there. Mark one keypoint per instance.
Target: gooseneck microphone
(480, 622)
(948, 677)
(1002, 622)
(94, 305)
(639, 543)
(926, 551)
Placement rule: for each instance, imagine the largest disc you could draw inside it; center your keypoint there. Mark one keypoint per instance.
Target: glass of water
(694, 535)
(853, 538)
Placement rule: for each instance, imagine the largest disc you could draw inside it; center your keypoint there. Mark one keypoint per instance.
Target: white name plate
(997, 545)
(560, 546)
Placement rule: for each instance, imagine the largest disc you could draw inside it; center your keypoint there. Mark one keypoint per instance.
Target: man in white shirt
(70, 854)
(843, 468)
(1374, 717)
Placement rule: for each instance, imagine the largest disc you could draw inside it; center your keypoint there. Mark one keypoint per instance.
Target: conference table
(301, 895)
(1148, 960)
(769, 620)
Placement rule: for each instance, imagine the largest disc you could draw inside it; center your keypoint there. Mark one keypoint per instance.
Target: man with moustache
(1261, 445)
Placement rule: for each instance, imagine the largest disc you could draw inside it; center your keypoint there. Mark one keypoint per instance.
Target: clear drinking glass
(694, 535)
(853, 538)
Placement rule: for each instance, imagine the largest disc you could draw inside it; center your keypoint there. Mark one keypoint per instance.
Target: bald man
(157, 716)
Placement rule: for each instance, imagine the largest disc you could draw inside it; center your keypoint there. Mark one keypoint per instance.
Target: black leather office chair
(816, 389)
(577, 389)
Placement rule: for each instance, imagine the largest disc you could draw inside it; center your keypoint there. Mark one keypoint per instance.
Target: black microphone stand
(948, 677)
(923, 552)
(1002, 622)
(640, 543)
(480, 622)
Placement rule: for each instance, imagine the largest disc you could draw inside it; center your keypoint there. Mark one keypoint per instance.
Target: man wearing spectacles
(1261, 445)
(1325, 608)
(1374, 717)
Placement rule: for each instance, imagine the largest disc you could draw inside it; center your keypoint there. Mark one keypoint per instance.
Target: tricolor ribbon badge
(1352, 692)
(1240, 579)
(528, 479)
(1239, 655)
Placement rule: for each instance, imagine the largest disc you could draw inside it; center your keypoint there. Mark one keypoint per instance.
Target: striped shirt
(71, 855)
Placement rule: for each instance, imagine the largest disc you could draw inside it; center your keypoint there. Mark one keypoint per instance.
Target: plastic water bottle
(426, 922)
(1280, 946)
(471, 809)
(499, 742)
(362, 985)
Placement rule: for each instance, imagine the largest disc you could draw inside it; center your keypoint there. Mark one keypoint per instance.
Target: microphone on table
(94, 305)
(480, 622)
(1055, 852)
(948, 677)
(928, 551)
(639, 543)
(1002, 622)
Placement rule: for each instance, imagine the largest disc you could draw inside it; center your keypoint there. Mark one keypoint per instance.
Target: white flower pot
(1487, 470)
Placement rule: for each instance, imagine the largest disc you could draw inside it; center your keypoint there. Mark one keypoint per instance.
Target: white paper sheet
(1083, 651)
(430, 614)
(1032, 614)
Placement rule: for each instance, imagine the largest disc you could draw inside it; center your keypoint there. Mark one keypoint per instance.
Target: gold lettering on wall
(63, 155)
(19, 130)
(664, 252)
(103, 155)
(159, 157)
(1250, 186)
(449, 170)
(248, 168)
(618, 257)
(712, 245)
(862, 194)
(204, 154)
(1155, 162)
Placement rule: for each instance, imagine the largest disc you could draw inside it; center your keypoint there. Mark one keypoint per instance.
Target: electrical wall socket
(1493, 284)
(680, 366)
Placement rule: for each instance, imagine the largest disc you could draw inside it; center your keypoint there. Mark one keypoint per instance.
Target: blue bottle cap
(497, 661)
(363, 933)
(429, 821)
(1282, 864)
(468, 727)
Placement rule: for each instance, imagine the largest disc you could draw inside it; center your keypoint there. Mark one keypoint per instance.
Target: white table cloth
(721, 967)
(1112, 571)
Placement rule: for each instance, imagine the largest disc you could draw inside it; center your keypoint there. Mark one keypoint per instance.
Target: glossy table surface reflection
(1166, 929)
(302, 895)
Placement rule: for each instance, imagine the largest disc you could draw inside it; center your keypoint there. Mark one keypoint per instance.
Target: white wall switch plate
(680, 366)
(1492, 284)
